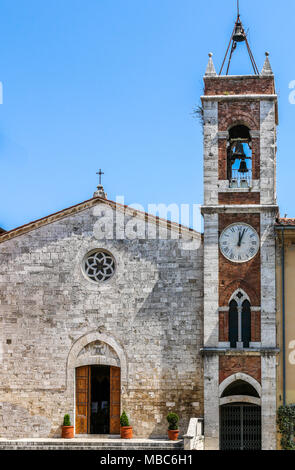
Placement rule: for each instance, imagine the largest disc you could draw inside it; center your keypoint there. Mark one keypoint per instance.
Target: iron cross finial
(100, 173)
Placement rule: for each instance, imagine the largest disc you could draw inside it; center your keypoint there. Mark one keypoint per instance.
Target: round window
(99, 265)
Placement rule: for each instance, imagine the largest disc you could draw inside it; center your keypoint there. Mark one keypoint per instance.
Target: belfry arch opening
(239, 157)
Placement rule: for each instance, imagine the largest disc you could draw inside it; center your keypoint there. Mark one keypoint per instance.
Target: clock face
(239, 242)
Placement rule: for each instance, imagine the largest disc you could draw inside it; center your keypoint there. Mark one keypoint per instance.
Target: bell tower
(240, 118)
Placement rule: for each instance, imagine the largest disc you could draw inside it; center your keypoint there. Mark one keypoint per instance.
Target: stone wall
(151, 309)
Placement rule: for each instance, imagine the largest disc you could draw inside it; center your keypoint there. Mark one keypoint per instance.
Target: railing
(194, 438)
(241, 180)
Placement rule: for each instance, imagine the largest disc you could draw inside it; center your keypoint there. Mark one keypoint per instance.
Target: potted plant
(173, 430)
(67, 431)
(125, 429)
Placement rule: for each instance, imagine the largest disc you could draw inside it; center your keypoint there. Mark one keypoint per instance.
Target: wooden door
(115, 394)
(83, 379)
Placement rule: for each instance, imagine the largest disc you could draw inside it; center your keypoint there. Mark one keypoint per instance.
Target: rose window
(99, 266)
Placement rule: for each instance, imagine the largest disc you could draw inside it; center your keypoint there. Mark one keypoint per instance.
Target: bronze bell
(243, 167)
(239, 35)
(239, 151)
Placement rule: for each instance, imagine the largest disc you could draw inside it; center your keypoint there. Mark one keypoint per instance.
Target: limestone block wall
(152, 309)
(268, 152)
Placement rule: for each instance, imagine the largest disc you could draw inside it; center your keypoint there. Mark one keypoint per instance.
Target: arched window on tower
(239, 157)
(239, 320)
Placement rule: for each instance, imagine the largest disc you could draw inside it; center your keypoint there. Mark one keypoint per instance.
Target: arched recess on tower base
(239, 376)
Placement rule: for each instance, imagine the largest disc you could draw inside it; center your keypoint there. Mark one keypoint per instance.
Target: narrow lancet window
(239, 321)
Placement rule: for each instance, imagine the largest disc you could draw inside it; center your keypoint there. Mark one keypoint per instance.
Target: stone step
(90, 444)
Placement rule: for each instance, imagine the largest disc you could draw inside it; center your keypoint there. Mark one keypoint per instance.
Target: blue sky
(112, 84)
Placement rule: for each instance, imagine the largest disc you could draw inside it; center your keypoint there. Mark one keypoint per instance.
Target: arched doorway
(98, 357)
(240, 417)
(98, 393)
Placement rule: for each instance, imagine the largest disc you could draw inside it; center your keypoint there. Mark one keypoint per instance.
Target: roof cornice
(234, 208)
(259, 97)
(18, 231)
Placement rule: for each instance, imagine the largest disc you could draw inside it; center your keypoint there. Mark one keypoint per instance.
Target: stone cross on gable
(100, 191)
(100, 173)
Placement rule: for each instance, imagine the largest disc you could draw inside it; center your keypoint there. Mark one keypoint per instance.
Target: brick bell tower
(240, 207)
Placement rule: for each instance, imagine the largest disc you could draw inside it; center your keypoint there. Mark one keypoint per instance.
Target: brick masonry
(238, 198)
(238, 112)
(247, 85)
(256, 326)
(223, 326)
(229, 365)
(255, 158)
(222, 159)
(244, 275)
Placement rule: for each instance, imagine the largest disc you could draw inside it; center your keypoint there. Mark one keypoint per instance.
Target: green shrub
(124, 421)
(286, 424)
(173, 419)
(67, 420)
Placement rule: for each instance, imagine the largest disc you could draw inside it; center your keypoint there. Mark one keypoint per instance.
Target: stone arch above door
(239, 376)
(96, 348)
(97, 353)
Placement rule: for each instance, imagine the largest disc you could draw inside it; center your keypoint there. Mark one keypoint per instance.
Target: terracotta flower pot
(126, 432)
(173, 434)
(67, 432)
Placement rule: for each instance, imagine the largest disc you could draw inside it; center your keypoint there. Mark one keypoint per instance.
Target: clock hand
(241, 234)
(239, 242)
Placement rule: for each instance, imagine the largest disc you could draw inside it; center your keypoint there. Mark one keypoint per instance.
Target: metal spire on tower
(238, 35)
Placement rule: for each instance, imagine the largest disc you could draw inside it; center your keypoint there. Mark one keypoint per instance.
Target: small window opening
(239, 321)
(239, 157)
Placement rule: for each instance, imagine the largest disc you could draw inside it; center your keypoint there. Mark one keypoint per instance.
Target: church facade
(166, 319)
(82, 311)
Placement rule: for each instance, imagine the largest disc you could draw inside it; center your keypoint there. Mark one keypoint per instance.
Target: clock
(239, 242)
